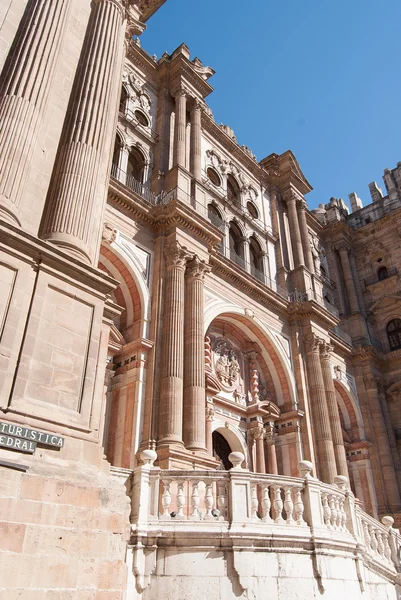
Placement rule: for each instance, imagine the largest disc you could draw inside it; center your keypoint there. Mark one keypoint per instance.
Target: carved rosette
(176, 256)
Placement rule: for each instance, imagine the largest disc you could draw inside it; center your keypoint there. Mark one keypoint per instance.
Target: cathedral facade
(200, 378)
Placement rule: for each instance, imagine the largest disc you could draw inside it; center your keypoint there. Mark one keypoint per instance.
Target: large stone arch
(277, 362)
(233, 436)
(350, 411)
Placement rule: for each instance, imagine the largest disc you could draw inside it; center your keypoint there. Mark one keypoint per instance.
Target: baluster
(333, 512)
(380, 545)
(166, 499)
(326, 510)
(180, 501)
(222, 499)
(338, 513)
(195, 501)
(209, 500)
(254, 501)
(343, 516)
(387, 549)
(373, 539)
(288, 505)
(277, 504)
(266, 505)
(299, 507)
(366, 534)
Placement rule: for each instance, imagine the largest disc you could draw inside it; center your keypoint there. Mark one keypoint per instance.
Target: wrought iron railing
(385, 275)
(133, 184)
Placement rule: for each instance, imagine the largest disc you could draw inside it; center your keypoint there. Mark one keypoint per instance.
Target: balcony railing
(375, 279)
(368, 341)
(168, 502)
(133, 184)
(342, 334)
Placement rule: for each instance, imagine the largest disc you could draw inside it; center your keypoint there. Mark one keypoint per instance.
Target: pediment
(291, 171)
(385, 302)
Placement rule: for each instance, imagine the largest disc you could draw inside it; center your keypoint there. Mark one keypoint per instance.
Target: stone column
(277, 247)
(334, 416)
(348, 278)
(195, 151)
(247, 254)
(180, 127)
(172, 369)
(320, 414)
(296, 241)
(24, 89)
(194, 375)
(270, 438)
(305, 236)
(209, 429)
(73, 205)
(382, 444)
(258, 436)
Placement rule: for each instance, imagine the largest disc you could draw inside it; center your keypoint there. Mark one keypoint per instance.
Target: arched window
(256, 256)
(233, 191)
(382, 273)
(394, 334)
(213, 176)
(253, 211)
(116, 153)
(123, 99)
(236, 245)
(136, 165)
(214, 215)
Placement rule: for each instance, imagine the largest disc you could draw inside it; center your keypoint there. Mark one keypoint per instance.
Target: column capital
(257, 433)
(313, 342)
(180, 92)
(342, 246)
(176, 255)
(270, 433)
(326, 350)
(301, 204)
(371, 381)
(197, 268)
(292, 197)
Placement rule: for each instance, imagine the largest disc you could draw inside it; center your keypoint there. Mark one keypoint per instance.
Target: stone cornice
(244, 281)
(313, 311)
(147, 8)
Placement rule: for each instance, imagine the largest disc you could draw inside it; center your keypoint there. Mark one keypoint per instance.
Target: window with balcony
(382, 273)
(256, 256)
(233, 191)
(135, 165)
(253, 211)
(214, 216)
(394, 334)
(236, 245)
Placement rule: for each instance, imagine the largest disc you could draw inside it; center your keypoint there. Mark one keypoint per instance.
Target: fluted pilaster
(194, 374)
(382, 444)
(295, 233)
(348, 278)
(73, 206)
(180, 127)
(24, 90)
(303, 227)
(172, 370)
(320, 413)
(196, 154)
(334, 415)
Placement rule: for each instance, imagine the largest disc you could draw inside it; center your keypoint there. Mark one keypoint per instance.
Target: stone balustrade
(170, 502)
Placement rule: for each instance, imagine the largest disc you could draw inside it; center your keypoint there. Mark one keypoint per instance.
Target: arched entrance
(221, 451)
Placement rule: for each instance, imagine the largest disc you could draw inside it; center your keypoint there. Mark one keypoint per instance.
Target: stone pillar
(295, 232)
(334, 416)
(258, 436)
(24, 90)
(266, 269)
(305, 236)
(247, 254)
(270, 438)
(172, 369)
(382, 445)
(320, 414)
(180, 127)
(209, 429)
(194, 375)
(277, 247)
(196, 130)
(73, 204)
(348, 278)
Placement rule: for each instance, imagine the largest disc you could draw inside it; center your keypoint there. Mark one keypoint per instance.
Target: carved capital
(270, 433)
(197, 268)
(176, 255)
(301, 205)
(313, 342)
(371, 381)
(257, 433)
(326, 350)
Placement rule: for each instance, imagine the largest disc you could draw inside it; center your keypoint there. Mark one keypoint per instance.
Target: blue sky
(320, 78)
